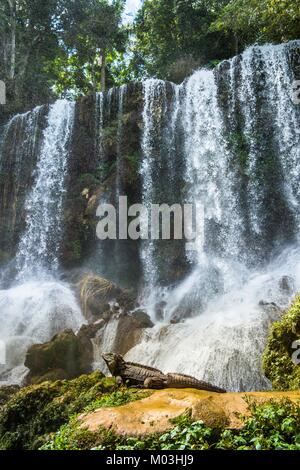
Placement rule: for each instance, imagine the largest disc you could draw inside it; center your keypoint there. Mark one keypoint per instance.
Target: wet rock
(272, 310)
(100, 297)
(124, 332)
(263, 303)
(181, 314)
(287, 285)
(160, 310)
(142, 318)
(95, 295)
(129, 332)
(64, 357)
(89, 331)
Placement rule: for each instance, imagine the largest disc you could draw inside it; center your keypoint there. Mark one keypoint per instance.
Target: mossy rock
(64, 357)
(6, 392)
(265, 423)
(35, 411)
(278, 362)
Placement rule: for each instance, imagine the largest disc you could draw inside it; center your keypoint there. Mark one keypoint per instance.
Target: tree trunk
(103, 70)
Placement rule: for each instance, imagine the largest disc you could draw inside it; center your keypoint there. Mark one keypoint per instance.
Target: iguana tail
(186, 381)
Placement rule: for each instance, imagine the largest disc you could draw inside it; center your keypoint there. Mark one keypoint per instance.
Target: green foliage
(72, 47)
(277, 361)
(72, 437)
(58, 47)
(260, 20)
(173, 38)
(239, 145)
(34, 412)
(134, 161)
(272, 426)
(93, 38)
(28, 46)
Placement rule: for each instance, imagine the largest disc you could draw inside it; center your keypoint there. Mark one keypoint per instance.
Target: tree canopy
(260, 20)
(72, 47)
(174, 36)
(59, 47)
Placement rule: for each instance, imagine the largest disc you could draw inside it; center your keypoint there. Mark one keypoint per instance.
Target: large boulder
(120, 334)
(157, 413)
(130, 330)
(64, 357)
(99, 296)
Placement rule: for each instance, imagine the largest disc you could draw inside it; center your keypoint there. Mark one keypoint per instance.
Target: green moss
(239, 145)
(33, 413)
(117, 398)
(110, 131)
(76, 248)
(38, 410)
(6, 392)
(277, 360)
(133, 160)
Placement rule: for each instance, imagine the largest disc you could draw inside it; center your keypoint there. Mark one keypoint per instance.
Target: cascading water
(155, 100)
(160, 171)
(39, 305)
(227, 141)
(39, 246)
(20, 145)
(241, 146)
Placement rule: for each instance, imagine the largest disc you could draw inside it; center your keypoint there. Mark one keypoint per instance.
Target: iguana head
(113, 361)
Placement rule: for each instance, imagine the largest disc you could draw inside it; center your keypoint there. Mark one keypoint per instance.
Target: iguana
(141, 376)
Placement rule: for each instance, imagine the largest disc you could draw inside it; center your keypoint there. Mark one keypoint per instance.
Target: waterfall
(121, 98)
(241, 144)
(159, 166)
(286, 115)
(226, 141)
(39, 305)
(19, 144)
(40, 244)
(154, 94)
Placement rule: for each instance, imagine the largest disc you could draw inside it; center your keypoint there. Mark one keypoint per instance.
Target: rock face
(281, 361)
(153, 414)
(100, 298)
(64, 357)
(121, 333)
(93, 176)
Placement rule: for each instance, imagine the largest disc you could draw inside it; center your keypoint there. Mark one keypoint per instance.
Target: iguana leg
(155, 383)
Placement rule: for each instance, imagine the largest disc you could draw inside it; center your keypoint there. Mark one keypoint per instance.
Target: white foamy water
(39, 246)
(239, 231)
(39, 305)
(225, 343)
(30, 313)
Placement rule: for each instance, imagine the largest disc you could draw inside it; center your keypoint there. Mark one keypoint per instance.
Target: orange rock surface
(153, 414)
